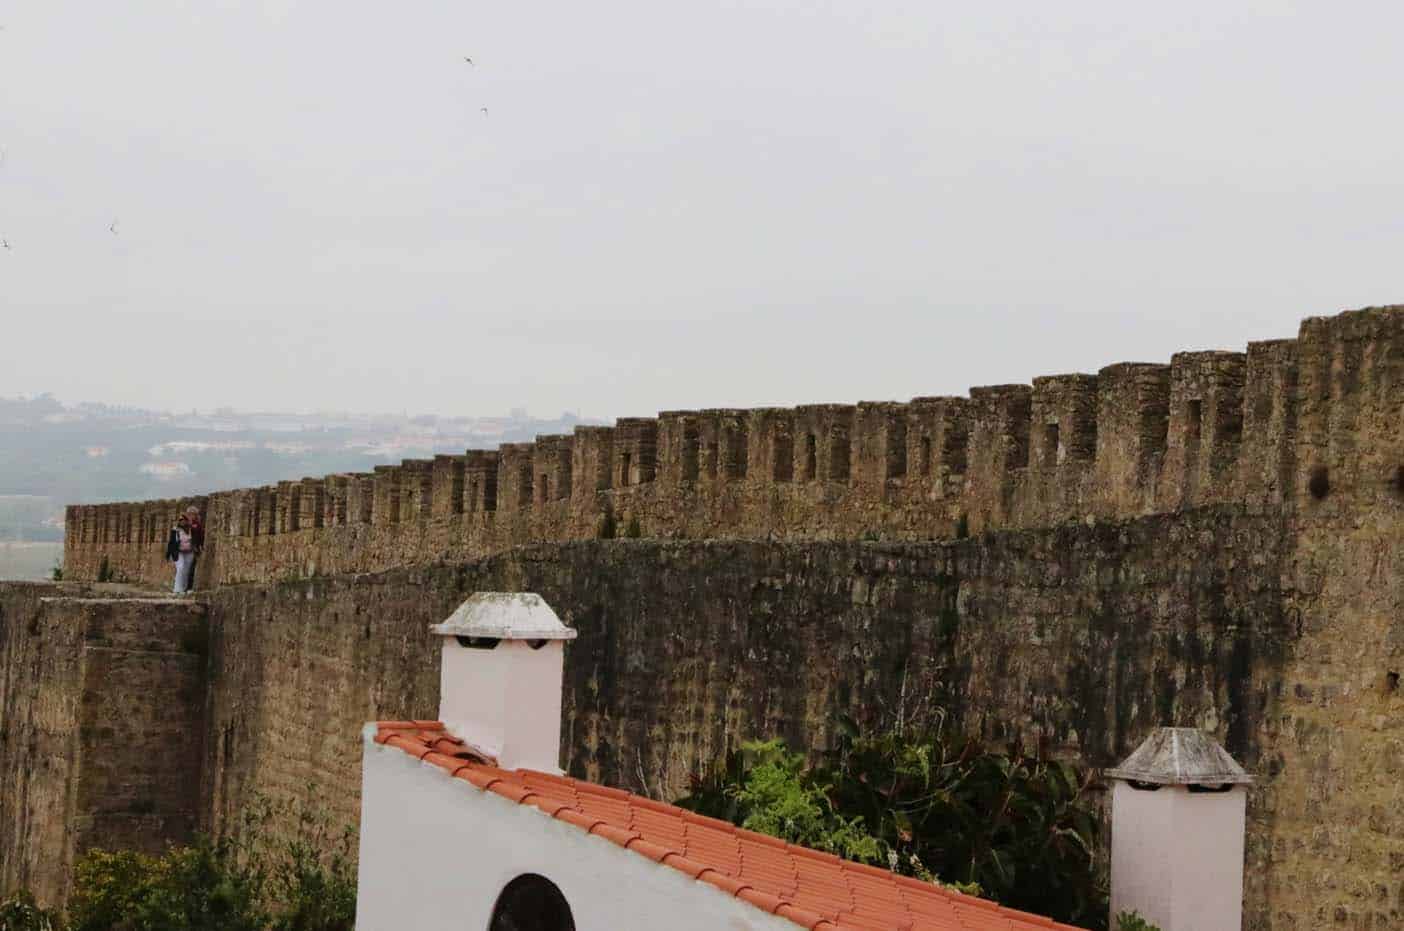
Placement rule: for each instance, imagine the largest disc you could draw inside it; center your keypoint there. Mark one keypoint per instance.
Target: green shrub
(203, 886)
(1131, 921)
(633, 531)
(57, 575)
(18, 912)
(307, 883)
(774, 797)
(104, 573)
(933, 805)
(312, 886)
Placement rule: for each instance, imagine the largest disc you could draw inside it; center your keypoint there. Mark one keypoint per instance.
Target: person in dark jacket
(197, 534)
(180, 549)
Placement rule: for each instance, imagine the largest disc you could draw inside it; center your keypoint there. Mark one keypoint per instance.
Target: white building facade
(467, 824)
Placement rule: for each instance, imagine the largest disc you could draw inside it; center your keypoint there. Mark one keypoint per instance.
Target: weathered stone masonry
(1134, 439)
(1081, 638)
(1217, 543)
(102, 727)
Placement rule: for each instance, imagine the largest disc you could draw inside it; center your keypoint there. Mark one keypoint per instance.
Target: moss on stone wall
(1067, 637)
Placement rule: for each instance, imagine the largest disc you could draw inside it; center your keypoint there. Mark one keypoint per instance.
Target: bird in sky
(113, 228)
(484, 109)
(5, 243)
(469, 60)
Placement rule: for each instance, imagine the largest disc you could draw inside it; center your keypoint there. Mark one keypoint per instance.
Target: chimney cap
(1177, 756)
(505, 616)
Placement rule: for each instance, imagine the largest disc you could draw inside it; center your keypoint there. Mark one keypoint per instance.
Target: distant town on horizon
(54, 453)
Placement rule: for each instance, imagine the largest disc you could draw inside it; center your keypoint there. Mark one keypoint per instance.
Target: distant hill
(52, 454)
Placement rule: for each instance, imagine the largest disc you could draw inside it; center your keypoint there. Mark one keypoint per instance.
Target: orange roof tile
(815, 890)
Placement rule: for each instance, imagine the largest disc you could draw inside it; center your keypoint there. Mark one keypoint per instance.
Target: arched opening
(531, 903)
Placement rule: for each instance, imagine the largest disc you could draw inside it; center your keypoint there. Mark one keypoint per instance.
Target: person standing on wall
(197, 535)
(180, 549)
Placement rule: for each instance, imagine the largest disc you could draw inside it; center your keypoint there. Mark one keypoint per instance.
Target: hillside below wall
(1254, 429)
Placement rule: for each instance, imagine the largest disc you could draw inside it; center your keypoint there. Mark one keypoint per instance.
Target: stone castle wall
(1282, 636)
(1285, 642)
(102, 728)
(1215, 543)
(1247, 428)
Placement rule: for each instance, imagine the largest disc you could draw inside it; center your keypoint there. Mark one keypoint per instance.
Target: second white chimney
(1178, 822)
(500, 678)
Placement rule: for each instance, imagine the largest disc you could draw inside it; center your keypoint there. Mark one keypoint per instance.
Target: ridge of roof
(815, 890)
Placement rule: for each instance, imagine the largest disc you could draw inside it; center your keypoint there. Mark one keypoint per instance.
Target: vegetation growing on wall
(1132, 921)
(19, 912)
(935, 805)
(304, 884)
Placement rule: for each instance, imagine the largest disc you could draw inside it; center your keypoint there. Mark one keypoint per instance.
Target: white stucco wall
(436, 852)
(1177, 857)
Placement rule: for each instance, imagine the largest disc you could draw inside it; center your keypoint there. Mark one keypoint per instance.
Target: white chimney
(1178, 820)
(500, 678)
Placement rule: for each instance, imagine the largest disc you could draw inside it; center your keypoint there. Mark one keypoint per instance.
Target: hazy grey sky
(676, 204)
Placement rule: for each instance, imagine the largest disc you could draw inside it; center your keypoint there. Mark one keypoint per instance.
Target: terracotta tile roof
(815, 890)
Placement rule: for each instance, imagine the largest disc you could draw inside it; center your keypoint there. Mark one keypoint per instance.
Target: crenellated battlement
(1306, 422)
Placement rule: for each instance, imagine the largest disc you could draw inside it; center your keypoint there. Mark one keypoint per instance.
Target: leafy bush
(933, 805)
(18, 912)
(313, 884)
(633, 531)
(57, 575)
(773, 796)
(307, 883)
(1131, 921)
(203, 886)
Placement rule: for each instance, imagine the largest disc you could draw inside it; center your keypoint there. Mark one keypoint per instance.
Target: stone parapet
(1303, 423)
